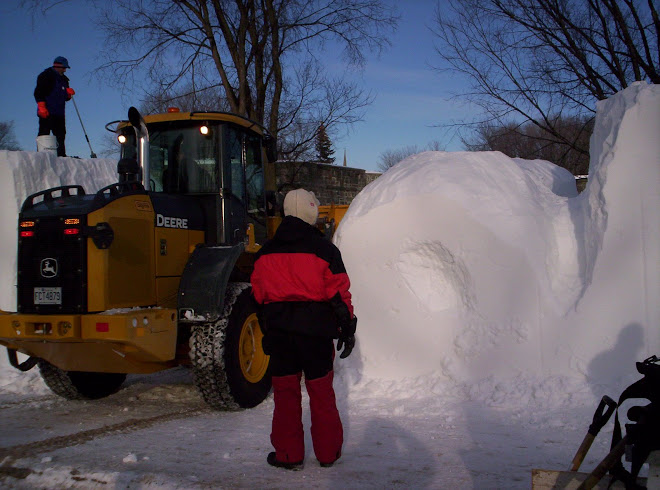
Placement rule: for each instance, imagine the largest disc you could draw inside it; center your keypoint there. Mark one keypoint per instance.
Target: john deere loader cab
(153, 271)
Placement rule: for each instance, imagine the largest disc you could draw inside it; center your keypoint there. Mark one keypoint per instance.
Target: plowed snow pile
(492, 273)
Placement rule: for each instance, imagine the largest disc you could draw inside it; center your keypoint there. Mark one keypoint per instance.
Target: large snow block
(23, 173)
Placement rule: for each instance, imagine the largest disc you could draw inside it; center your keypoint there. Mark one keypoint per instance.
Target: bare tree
(7, 136)
(531, 142)
(265, 54)
(389, 158)
(187, 99)
(544, 61)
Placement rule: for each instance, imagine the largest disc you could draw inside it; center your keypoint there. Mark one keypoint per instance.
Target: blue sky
(411, 98)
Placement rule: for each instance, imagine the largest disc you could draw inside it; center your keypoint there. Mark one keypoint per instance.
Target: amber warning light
(26, 233)
(71, 222)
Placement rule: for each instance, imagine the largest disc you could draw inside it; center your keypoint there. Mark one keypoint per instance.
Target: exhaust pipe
(142, 135)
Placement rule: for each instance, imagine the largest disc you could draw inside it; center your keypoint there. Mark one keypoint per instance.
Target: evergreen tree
(324, 151)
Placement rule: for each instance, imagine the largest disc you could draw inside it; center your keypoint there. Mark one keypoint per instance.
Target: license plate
(47, 296)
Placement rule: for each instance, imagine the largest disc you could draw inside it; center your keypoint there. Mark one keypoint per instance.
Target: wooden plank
(570, 480)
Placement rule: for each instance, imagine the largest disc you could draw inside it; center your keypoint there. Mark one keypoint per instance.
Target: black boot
(272, 460)
(328, 465)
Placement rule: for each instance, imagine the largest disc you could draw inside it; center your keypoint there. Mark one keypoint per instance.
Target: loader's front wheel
(230, 368)
(79, 385)
(245, 361)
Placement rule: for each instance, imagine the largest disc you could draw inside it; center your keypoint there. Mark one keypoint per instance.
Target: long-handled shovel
(92, 155)
(603, 413)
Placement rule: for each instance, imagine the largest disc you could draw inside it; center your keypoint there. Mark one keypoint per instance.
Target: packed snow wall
(23, 173)
(476, 265)
(617, 320)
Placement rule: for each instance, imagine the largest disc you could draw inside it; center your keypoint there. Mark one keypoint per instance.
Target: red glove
(70, 91)
(42, 110)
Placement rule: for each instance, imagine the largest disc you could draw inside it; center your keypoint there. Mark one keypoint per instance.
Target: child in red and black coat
(300, 282)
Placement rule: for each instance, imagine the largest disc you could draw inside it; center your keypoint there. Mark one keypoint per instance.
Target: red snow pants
(291, 355)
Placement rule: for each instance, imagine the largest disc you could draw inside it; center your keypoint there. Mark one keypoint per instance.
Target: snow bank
(492, 272)
(23, 173)
(442, 280)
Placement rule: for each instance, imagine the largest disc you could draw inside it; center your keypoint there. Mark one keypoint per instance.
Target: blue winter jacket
(51, 88)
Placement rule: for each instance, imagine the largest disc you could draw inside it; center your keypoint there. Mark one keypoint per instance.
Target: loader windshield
(182, 160)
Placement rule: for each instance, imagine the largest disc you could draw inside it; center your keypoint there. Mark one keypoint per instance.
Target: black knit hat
(61, 62)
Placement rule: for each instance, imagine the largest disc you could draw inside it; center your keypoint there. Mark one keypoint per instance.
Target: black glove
(347, 338)
(347, 343)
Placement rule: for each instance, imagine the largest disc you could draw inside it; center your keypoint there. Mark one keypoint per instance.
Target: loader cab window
(181, 159)
(247, 203)
(254, 183)
(235, 152)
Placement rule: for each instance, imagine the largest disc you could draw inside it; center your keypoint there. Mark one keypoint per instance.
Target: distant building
(332, 184)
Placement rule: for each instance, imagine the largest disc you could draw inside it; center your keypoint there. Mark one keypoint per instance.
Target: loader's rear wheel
(230, 368)
(79, 385)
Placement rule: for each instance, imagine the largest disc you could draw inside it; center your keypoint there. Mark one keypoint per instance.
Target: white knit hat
(302, 204)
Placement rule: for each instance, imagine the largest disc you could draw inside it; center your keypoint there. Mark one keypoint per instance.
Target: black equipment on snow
(642, 435)
(605, 409)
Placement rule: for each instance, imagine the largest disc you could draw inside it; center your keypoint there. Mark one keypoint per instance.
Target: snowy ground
(393, 440)
(496, 307)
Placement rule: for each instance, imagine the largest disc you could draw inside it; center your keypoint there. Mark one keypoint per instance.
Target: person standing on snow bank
(300, 282)
(51, 93)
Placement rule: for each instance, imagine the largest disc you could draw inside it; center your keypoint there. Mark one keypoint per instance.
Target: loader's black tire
(245, 361)
(79, 385)
(230, 368)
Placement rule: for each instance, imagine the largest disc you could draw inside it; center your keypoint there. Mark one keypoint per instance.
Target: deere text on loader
(153, 271)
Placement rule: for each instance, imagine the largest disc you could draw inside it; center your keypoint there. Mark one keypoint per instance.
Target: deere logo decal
(49, 268)
(168, 222)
